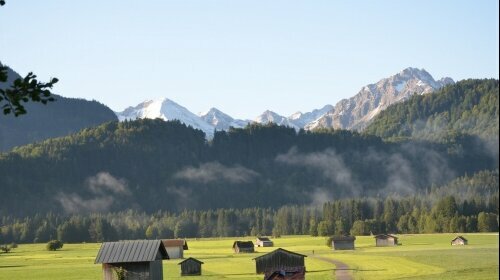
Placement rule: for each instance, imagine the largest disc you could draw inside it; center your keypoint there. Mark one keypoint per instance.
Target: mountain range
(354, 113)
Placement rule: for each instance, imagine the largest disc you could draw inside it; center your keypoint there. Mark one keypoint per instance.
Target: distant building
(190, 267)
(281, 264)
(175, 247)
(243, 247)
(343, 242)
(459, 240)
(383, 240)
(130, 260)
(263, 242)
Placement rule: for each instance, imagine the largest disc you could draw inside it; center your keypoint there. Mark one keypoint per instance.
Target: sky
(243, 57)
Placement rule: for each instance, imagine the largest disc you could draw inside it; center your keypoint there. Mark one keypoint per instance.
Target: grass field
(422, 256)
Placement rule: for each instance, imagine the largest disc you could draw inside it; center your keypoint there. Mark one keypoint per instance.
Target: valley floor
(421, 256)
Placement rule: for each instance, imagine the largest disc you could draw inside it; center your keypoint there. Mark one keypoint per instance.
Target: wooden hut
(343, 242)
(243, 247)
(459, 240)
(281, 263)
(139, 259)
(383, 240)
(263, 242)
(190, 266)
(175, 247)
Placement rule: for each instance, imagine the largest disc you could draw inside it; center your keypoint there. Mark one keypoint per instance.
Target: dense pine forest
(467, 204)
(151, 165)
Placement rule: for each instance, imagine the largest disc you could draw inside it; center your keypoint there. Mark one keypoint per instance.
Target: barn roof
(459, 237)
(280, 250)
(385, 236)
(243, 244)
(191, 260)
(130, 251)
(175, 243)
(343, 238)
(262, 238)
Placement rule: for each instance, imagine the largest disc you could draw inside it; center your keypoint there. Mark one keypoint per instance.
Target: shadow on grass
(9, 266)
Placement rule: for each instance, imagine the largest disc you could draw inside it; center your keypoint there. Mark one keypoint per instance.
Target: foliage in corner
(22, 91)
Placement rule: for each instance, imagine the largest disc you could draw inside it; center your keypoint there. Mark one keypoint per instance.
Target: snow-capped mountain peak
(165, 109)
(221, 121)
(357, 111)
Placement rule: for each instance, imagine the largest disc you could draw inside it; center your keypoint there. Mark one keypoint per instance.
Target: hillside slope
(467, 107)
(59, 118)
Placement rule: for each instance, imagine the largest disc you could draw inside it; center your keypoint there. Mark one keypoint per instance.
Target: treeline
(430, 213)
(467, 107)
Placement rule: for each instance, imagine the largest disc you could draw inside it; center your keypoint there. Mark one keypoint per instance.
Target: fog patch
(103, 190)
(319, 197)
(214, 171)
(328, 163)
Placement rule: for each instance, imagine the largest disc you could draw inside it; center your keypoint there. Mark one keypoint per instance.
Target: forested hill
(59, 118)
(152, 165)
(467, 107)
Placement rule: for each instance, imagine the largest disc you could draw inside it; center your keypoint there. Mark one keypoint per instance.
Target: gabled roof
(459, 237)
(385, 236)
(343, 238)
(175, 243)
(130, 251)
(278, 251)
(262, 238)
(243, 244)
(191, 260)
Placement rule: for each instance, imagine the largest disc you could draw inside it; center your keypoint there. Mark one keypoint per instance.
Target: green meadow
(421, 256)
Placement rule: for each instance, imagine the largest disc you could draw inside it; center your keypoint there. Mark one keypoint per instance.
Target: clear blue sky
(243, 57)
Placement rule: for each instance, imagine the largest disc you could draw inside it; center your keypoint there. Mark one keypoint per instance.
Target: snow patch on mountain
(220, 120)
(165, 109)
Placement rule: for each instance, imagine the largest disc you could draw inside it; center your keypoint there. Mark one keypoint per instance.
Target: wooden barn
(243, 247)
(383, 240)
(263, 242)
(459, 240)
(281, 264)
(175, 247)
(343, 242)
(190, 267)
(139, 259)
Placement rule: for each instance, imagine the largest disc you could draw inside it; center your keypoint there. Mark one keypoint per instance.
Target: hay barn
(175, 247)
(138, 259)
(282, 261)
(459, 240)
(343, 242)
(383, 240)
(263, 242)
(190, 267)
(243, 247)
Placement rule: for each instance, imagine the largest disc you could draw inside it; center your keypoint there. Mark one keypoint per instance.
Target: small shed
(138, 259)
(243, 247)
(343, 242)
(383, 240)
(263, 242)
(190, 267)
(175, 247)
(280, 260)
(459, 240)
